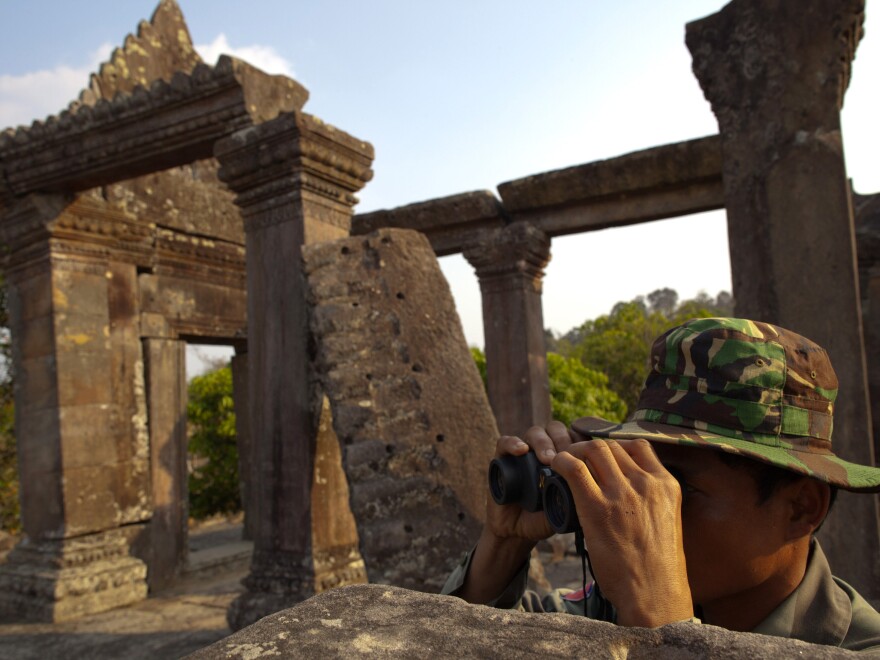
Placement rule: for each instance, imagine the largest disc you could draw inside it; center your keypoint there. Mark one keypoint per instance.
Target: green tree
(619, 344)
(575, 390)
(213, 480)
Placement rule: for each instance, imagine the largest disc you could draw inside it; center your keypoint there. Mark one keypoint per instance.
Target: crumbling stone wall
(408, 404)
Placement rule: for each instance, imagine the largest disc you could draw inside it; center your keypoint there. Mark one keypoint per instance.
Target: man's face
(731, 543)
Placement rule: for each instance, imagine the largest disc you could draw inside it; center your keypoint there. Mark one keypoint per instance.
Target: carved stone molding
(60, 580)
(517, 249)
(778, 65)
(281, 162)
(169, 124)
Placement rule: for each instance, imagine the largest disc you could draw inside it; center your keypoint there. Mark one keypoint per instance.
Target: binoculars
(525, 481)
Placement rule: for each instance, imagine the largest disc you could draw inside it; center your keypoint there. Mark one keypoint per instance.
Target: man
(703, 506)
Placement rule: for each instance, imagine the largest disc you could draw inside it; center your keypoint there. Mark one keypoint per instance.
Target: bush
(213, 478)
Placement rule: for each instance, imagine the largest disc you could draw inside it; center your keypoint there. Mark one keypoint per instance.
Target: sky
(460, 96)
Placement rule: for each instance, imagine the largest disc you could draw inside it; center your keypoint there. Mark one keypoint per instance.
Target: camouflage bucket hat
(746, 388)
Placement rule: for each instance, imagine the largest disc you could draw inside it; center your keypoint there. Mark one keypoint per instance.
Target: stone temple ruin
(177, 201)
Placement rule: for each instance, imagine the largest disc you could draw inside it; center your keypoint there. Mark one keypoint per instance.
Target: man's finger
(642, 453)
(508, 445)
(540, 441)
(600, 459)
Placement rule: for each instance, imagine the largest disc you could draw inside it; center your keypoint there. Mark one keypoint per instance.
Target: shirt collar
(818, 611)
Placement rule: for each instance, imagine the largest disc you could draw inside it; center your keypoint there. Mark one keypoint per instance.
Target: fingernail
(549, 453)
(520, 444)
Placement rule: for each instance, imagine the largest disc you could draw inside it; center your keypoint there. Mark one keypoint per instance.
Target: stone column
(82, 455)
(510, 266)
(867, 217)
(294, 178)
(775, 73)
(166, 395)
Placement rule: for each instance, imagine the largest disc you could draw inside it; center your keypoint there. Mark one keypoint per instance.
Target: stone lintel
(450, 223)
(169, 124)
(56, 581)
(673, 179)
(174, 305)
(291, 159)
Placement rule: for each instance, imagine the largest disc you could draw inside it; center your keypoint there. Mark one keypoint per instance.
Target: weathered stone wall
(387, 622)
(408, 403)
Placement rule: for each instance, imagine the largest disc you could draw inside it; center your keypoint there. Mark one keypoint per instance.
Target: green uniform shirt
(822, 610)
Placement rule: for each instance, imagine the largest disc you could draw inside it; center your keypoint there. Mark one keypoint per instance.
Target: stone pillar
(294, 178)
(239, 366)
(775, 73)
(81, 448)
(510, 266)
(867, 215)
(166, 395)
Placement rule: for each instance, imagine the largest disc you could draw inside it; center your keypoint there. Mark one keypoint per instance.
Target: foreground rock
(391, 622)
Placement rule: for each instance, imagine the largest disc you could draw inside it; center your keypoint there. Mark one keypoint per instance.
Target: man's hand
(510, 520)
(629, 507)
(510, 532)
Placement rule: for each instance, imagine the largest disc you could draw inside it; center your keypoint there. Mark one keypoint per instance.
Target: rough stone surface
(383, 621)
(408, 403)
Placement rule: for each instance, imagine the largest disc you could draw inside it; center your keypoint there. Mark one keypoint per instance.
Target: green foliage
(576, 391)
(619, 344)
(213, 480)
(480, 361)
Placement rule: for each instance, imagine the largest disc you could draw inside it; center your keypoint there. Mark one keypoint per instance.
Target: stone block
(36, 384)
(84, 377)
(417, 486)
(31, 297)
(78, 292)
(39, 338)
(87, 436)
(91, 498)
(389, 622)
(81, 333)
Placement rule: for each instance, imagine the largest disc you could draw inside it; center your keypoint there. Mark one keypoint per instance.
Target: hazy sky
(458, 96)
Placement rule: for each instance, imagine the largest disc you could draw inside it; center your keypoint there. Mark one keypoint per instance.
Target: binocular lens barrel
(523, 480)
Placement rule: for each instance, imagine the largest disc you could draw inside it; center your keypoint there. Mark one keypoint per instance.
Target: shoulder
(864, 628)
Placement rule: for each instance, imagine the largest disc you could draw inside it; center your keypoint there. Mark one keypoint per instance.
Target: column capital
(782, 65)
(288, 159)
(516, 249)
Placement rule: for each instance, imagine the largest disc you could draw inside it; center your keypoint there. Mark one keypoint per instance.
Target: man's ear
(808, 500)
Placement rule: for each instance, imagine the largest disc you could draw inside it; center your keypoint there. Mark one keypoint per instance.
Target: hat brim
(825, 466)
